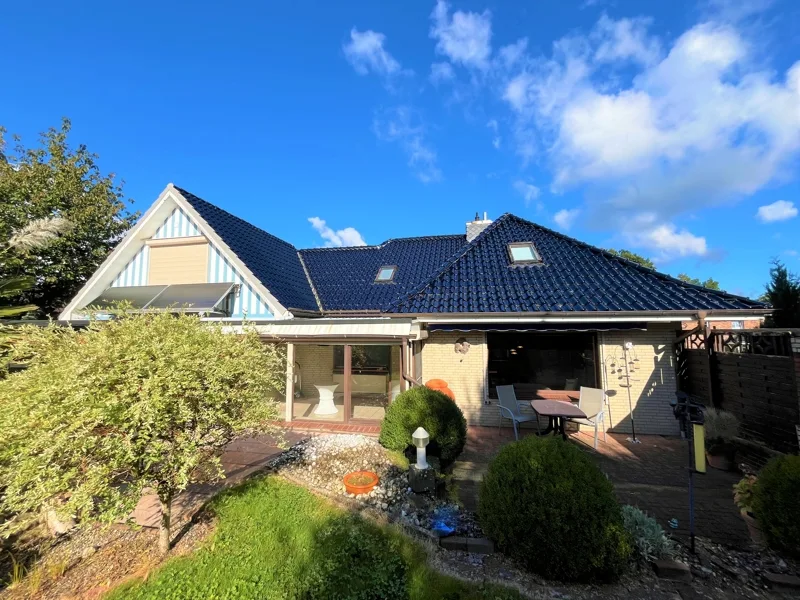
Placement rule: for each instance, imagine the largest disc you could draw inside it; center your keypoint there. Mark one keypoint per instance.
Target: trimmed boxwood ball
(776, 503)
(424, 407)
(545, 503)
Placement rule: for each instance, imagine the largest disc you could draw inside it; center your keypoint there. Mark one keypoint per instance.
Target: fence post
(794, 341)
(709, 348)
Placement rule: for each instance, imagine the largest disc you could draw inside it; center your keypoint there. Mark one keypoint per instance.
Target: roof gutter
(551, 317)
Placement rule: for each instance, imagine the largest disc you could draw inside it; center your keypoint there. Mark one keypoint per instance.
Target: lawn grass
(277, 540)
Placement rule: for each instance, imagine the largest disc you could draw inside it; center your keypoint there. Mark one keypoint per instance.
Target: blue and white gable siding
(220, 270)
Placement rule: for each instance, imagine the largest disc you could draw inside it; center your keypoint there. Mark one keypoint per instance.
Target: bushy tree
(632, 256)
(710, 283)
(142, 401)
(783, 292)
(54, 180)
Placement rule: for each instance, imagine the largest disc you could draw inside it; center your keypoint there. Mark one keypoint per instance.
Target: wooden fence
(752, 374)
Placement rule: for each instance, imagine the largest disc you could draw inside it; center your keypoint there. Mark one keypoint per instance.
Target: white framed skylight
(523, 253)
(385, 274)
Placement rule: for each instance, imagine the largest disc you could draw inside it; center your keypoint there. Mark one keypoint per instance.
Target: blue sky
(671, 129)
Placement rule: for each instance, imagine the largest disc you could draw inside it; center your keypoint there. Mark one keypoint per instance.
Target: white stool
(326, 405)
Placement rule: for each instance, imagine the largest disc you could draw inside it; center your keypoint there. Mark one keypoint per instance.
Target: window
(523, 253)
(365, 360)
(385, 274)
(534, 361)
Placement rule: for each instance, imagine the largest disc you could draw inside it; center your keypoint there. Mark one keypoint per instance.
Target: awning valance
(207, 298)
(337, 329)
(537, 327)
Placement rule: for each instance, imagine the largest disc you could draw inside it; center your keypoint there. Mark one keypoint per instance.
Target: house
(506, 301)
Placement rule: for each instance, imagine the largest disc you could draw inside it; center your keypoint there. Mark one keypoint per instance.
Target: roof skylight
(385, 274)
(523, 253)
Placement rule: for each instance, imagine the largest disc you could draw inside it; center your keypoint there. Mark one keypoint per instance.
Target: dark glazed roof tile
(572, 277)
(274, 262)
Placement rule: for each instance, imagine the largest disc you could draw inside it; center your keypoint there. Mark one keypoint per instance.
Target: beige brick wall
(316, 367)
(464, 373)
(653, 380)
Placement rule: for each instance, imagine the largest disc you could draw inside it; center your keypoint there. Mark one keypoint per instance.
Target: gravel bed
(322, 461)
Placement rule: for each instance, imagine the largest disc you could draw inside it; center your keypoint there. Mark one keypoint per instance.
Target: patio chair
(510, 408)
(592, 402)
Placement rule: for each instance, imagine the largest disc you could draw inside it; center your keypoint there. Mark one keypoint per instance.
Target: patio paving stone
(651, 475)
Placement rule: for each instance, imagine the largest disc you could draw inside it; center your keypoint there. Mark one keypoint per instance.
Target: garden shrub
(776, 503)
(721, 429)
(545, 503)
(357, 560)
(432, 410)
(649, 540)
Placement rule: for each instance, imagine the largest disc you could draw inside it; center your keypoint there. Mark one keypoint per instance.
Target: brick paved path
(651, 475)
(242, 458)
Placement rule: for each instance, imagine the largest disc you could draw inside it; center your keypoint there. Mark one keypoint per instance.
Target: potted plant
(743, 493)
(360, 482)
(721, 429)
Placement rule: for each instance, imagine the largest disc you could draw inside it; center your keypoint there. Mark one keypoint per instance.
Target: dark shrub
(356, 560)
(544, 502)
(423, 407)
(776, 503)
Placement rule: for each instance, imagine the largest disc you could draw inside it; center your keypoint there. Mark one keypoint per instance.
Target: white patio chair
(592, 402)
(510, 408)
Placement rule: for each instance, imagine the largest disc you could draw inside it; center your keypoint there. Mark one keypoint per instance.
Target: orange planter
(440, 385)
(360, 482)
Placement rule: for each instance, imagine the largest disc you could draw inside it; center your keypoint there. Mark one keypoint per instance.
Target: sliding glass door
(341, 383)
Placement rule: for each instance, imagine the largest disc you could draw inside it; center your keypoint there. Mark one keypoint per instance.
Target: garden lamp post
(421, 439)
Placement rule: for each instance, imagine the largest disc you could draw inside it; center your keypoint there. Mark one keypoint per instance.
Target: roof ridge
(186, 192)
(384, 243)
(453, 260)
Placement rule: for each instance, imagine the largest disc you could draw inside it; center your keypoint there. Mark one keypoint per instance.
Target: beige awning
(335, 329)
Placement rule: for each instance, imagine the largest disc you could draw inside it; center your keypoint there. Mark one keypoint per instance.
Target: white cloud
(777, 211)
(664, 238)
(464, 37)
(565, 218)
(342, 237)
(528, 191)
(441, 72)
(625, 39)
(402, 126)
(366, 53)
(650, 130)
(496, 140)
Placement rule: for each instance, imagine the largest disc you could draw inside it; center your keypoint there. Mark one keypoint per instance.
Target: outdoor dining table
(558, 412)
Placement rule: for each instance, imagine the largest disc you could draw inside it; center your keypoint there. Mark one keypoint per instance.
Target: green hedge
(545, 502)
(438, 414)
(776, 503)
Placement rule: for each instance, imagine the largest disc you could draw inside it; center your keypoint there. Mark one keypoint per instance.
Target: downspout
(403, 366)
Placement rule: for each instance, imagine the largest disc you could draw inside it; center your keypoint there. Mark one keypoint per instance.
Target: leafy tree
(632, 256)
(783, 292)
(710, 283)
(54, 180)
(142, 401)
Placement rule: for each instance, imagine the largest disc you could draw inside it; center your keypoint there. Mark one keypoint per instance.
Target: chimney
(475, 227)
